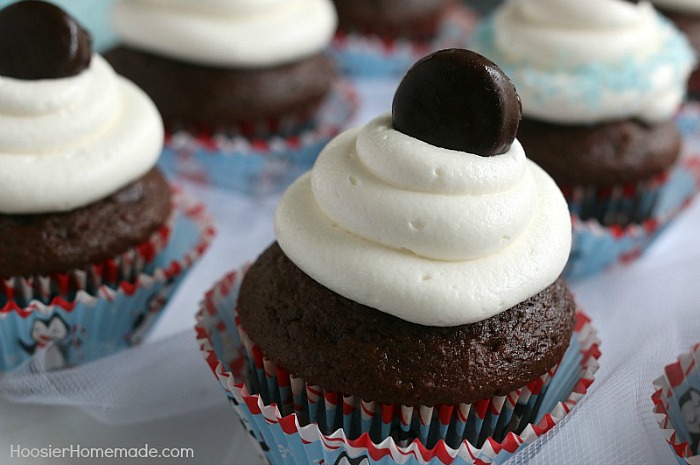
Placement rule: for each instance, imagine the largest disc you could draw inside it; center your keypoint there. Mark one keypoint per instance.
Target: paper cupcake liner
(295, 423)
(125, 267)
(87, 327)
(258, 166)
(677, 406)
(595, 247)
(616, 205)
(372, 56)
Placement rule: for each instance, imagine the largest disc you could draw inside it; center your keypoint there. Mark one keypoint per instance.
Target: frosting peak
(71, 141)
(227, 33)
(592, 61)
(433, 236)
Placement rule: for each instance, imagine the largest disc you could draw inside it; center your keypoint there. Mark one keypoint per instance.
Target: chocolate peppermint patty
(41, 244)
(191, 96)
(343, 346)
(38, 40)
(458, 100)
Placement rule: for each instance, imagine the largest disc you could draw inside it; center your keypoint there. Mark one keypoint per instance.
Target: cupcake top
(71, 131)
(227, 33)
(592, 61)
(691, 6)
(442, 232)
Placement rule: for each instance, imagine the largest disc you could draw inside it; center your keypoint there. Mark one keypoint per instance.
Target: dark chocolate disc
(38, 40)
(458, 100)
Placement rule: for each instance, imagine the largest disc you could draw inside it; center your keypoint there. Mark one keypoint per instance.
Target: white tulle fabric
(145, 383)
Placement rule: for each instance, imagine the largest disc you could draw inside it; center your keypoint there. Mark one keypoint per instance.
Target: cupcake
(384, 38)
(93, 238)
(599, 94)
(677, 405)
(245, 88)
(413, 298)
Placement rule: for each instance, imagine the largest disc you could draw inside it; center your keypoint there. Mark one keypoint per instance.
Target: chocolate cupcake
(85, 215)
(385, 37)
(599, 96)
(392, 19)
(237, 81)
(414, 286)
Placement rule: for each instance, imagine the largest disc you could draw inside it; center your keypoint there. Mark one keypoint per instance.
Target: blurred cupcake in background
(599, 93)
(94, 238)
(380, 38)
(246, 90)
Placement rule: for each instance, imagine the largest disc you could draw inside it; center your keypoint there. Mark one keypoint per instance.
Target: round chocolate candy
(39, 40)
(458, 100)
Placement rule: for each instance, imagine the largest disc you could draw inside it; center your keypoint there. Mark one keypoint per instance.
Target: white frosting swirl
(227, 33)
(591, 61)
(68, 142)
(690, 6)
(433, 236)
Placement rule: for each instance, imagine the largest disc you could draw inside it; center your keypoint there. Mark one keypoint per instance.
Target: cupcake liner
(371, 56)
(125, 267)
(68, 332)
(257, 166)
(616, 205)
(677, 406)
(296, 423)
(595, 247)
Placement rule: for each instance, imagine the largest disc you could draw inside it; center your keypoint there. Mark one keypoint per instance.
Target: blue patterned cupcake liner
(371, 56)
(297, 423)
(616, 205)
(144, 258)
(596, 247)
(677, 406)
(257, 166)
(67, 332)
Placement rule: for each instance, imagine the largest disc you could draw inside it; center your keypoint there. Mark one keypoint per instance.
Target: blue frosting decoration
(586, 83)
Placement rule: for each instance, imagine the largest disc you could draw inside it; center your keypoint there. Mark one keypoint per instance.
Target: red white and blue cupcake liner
(364, 56)
(70, 331)
(616, 205)
(596, 247)
(677, 406)
(297, 423)
(258, 166)
(125, 267)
